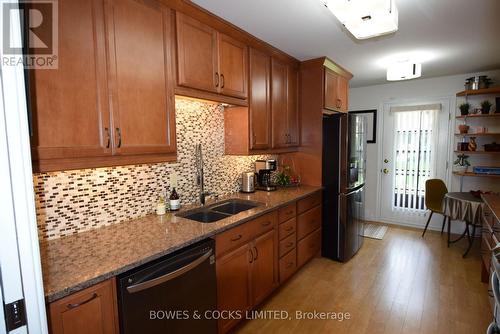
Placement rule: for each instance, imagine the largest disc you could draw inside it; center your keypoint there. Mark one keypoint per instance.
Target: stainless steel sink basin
(218, 211)
(233, 207)
(206, 216)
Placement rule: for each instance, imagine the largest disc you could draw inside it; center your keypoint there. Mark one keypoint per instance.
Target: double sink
(218, 211)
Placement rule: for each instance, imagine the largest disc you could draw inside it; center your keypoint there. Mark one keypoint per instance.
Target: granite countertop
(493, 202)
(78, 261)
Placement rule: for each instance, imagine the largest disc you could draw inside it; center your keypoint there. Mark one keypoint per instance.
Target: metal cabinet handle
(254, 138)
(238, 237)
(288, 229)
(71, 306)
(169, 276)
(119, 133)
(222, 81)
(289, 264)
(250, 252)
(290, 244)
(289, 212)
(216, 79)
(256, 253)
(266, 223)
(109, 137)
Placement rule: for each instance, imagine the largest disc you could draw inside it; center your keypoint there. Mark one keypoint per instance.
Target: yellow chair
(435, 190)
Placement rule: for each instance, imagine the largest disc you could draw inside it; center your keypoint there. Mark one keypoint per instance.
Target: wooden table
(466, 207)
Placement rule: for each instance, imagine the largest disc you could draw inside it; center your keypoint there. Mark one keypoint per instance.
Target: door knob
(385, 171)
(386, 161)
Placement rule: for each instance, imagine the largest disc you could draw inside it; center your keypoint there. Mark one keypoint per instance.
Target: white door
(415, 148)
(20, 269)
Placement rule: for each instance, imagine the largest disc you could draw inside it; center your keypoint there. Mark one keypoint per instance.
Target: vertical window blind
(415, 129)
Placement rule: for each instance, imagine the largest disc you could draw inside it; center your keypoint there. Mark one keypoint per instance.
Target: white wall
(374, 97)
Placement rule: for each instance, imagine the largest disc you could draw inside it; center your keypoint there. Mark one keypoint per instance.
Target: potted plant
(461, 164)
(464, 109)
(485, 107)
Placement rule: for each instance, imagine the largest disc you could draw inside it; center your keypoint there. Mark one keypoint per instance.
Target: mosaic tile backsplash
(70, 202)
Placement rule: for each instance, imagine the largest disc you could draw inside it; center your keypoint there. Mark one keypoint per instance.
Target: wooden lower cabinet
(92, 310)
(246, 275)
(308, 247)
(263, 276)
(233, 283)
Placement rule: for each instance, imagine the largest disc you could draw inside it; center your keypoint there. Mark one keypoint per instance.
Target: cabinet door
(343, 93)
(196, 54)
(263, 272)
(293, 106)
(260, 104)
(140, 71)
(69, 104)
(233, 282)
(233, 67)
(92, 310)
(279, 104)
(331, 100)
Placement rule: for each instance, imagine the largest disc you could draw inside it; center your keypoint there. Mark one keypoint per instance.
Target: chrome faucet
(200, 179)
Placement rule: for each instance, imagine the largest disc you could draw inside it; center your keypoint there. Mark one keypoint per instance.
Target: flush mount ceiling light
(365, 18)
(404, 70)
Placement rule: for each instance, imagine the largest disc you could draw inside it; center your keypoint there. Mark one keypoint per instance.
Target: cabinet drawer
(288, 212)
(308, 222)
(287, 244)
(309, 202)
(263, 224)
(288, 265)
(287, 228)
(308, 247)
(232, 238)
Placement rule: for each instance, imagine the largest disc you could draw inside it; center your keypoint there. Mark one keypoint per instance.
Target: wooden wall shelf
(476, 175)
(496, 115)
(486, 91)
(491, 134)
(478, 152)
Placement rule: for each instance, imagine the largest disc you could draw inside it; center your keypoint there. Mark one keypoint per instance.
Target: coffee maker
(263, 171)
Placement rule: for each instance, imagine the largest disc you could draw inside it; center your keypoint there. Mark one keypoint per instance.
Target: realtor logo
(38, 45)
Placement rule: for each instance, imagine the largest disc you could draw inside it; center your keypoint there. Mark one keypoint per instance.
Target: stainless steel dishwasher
(168, 295)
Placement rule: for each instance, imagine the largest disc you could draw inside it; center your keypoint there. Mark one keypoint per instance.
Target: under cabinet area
(92, 310)
(109, 102)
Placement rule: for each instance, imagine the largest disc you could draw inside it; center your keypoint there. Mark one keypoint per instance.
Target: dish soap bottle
(175, 202)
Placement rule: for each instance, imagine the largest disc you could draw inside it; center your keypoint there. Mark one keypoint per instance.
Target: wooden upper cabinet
(140, 72)
(197, 55)
(69, 104)
(343, 93)
(233, 67)
(336, 91)
(293, 106)
(111, 101)
(260, 100)
(210, 61)
(331, 96)
(92, 310)
(279, 104)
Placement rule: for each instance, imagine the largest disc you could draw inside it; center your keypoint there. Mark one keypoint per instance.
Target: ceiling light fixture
(404, 70)
(365, 18)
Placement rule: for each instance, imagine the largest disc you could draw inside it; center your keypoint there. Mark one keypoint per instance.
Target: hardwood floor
(401, 284)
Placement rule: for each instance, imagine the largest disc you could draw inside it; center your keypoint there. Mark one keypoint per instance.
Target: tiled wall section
(74, 201)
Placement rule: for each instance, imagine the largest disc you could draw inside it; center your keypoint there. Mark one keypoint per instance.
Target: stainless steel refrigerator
(344, 161)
